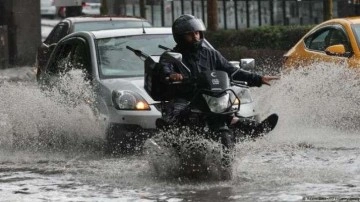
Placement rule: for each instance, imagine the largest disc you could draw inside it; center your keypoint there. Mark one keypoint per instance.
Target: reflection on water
(51, 149)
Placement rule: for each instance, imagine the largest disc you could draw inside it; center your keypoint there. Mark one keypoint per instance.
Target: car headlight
(218, 104)
(129, 100)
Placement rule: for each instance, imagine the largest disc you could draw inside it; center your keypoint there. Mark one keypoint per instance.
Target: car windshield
(115, 60)
(114, 24)
(356, 30)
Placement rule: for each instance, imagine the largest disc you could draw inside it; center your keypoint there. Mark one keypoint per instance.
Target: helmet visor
(196, 25)
(191, 25)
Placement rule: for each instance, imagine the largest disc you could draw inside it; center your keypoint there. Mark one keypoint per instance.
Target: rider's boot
(253, 129)
(265, 126)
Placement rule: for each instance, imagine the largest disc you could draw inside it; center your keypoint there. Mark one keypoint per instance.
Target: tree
(119, 7)
(104, 9)
(327, 9)
(212, 15)
(142, 9)
(356, 7)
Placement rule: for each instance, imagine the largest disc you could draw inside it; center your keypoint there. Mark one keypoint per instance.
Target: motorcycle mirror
(247, 63)
(172, 56)
(235, 64)
(176, 58)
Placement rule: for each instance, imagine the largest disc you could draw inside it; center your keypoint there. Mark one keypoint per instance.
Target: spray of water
(182, 153)
(60, 118)
(317, 132)
(320, 95)
(318, 108)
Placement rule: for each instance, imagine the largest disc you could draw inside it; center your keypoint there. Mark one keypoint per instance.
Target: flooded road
(52, 148)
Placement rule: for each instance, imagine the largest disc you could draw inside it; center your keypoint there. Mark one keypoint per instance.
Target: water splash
(184, 154)
(316, 140)
(318, 109)
(58, 118)
(322, 94)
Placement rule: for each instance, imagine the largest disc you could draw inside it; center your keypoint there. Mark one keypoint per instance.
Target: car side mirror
(337, 50)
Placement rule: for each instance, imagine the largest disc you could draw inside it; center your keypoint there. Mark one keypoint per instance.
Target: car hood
(135, 84)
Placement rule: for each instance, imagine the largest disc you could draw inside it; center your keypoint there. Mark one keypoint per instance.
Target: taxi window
(338, 36)
(316, 41)
(329, 36)
(356, 30)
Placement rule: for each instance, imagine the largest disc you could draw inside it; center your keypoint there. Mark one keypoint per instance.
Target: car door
(44, 51)
(317, 44)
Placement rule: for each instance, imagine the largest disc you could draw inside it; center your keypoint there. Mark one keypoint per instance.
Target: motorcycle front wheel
(228, 143)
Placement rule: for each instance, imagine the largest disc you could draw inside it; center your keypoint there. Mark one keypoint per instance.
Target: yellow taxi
(335, 40)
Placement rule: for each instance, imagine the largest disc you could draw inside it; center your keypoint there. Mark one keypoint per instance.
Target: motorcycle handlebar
(243, 84)
(185, 80)
(165, 48)
(139, 53)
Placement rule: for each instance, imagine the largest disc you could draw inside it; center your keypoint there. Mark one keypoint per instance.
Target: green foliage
(265, 37)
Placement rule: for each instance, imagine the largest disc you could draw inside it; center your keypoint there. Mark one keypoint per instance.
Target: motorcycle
(212, 114)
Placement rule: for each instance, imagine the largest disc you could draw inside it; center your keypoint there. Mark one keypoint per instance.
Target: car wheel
(124, 139)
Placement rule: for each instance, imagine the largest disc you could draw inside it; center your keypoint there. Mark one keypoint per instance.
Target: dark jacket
(201, 57)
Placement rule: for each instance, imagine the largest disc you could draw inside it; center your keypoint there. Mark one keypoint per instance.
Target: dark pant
(175, 109)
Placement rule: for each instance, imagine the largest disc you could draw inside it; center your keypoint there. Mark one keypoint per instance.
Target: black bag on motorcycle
(154, 83)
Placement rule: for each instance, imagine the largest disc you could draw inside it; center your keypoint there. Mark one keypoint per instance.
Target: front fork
(219, 126)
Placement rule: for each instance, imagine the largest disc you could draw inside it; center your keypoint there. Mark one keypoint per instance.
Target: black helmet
(185, 24)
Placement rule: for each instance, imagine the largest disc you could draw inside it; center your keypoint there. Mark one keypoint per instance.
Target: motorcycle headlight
(128, 100)
(218, 104)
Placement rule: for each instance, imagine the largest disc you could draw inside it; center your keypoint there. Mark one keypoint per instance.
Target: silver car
(117, 77)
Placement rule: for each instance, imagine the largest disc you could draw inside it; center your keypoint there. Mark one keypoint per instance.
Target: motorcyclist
(198, 55)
